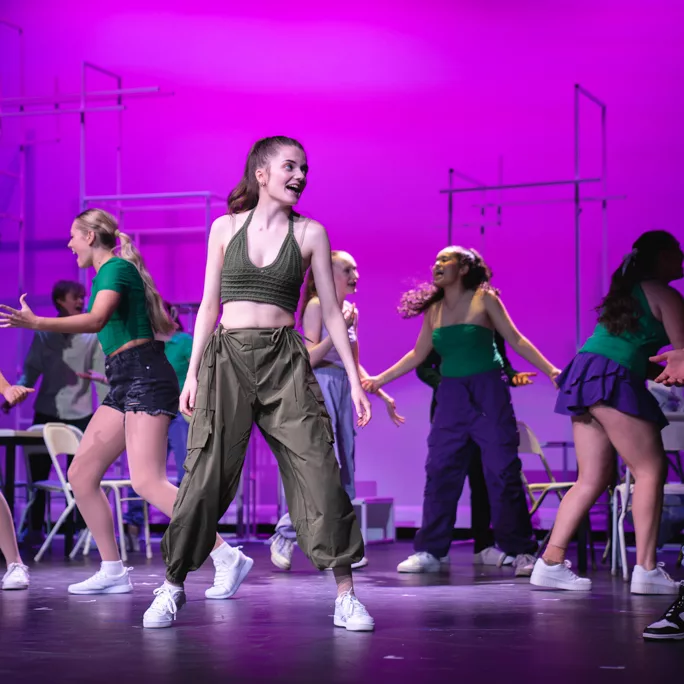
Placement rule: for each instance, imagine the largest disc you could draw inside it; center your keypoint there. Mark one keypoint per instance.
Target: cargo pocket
(315, 390)
(198, 437)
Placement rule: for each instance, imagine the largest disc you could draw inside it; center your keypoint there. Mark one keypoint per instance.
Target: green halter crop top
(466, 349)
(631, 349)
(277, 283)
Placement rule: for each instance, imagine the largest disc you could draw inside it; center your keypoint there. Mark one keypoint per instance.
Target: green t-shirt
(130, 321)
(178, 350)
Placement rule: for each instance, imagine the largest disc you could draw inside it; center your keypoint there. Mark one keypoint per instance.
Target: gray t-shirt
(57, 357)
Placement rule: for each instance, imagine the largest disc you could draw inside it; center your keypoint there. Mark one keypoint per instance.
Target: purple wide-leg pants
(474, 411)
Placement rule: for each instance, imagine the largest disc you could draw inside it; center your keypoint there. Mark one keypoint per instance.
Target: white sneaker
(420, 562)
(230, 574)
(524, 564)
(281, 551)
(16, 577)
(361, 564)
(655, 581)
(166, 604)
(558, 577)
(102, 583)
(351, 614)
(490, 556)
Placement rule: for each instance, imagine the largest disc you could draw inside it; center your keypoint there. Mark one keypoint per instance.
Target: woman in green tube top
(462, 314)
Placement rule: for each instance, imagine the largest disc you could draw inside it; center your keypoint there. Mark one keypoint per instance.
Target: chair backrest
(61, 439)
(529, 444)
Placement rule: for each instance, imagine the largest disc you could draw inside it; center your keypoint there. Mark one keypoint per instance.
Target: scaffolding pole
(477, 186)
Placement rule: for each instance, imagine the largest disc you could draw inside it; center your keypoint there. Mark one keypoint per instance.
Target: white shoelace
(164, 602)
(351, 605)
(424, 556)
(12, 567)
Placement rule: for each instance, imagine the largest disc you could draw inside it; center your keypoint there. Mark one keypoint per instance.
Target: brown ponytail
(245, 195)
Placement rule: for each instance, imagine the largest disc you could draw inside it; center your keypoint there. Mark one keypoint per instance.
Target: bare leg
(8, 538)
(146, 440)
(101, 445)
(344, 580)
(595, 458)
(641, 447)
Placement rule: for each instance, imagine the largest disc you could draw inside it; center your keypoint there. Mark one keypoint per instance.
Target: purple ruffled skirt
(593, 379)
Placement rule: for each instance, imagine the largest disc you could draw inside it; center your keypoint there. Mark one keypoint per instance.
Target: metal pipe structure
(516, 186)
(93, 95)
(577, 199)
(55, 111)
(20, 217)
(579, 93)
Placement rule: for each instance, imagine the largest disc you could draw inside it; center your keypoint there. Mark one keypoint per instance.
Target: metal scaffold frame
(577, 200)
(83, 104)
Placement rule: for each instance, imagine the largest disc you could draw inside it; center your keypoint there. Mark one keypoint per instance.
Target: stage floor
(473, 625)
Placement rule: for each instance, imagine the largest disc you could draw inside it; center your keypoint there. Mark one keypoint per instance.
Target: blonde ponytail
(161, 323)
(106, 230)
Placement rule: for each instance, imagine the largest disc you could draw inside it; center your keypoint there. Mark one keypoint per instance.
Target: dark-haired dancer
(473, 406)
(485, 551)
(61, 362)
(334, 383)
(255, 369)
(604, 390)
(126, 312)
(17, 574)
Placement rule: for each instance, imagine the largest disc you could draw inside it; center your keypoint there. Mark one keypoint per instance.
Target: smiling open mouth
(296, 189)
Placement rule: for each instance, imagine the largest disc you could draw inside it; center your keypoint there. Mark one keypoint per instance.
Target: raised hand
(673, 374)
(15, 394)
(18, 318)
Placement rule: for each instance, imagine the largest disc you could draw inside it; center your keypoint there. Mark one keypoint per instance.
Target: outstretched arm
(520, 344)
(93, 321)
(409, 362)
(321, 266)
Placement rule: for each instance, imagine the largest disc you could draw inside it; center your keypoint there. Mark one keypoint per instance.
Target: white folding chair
(65, 439)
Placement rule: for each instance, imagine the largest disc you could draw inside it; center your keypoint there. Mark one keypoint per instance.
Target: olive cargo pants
(262, 376)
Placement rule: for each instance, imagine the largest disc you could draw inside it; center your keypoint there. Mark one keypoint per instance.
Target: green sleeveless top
(466, 349)
(130, 321)
(277, 283)
(631, 349)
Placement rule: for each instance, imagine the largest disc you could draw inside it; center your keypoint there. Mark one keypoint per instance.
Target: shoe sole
(655, 590)
(663, 637)
(555, 584)
(16, 587)
(361, 564)
(123, 589)
(241, 577)
(353, 628)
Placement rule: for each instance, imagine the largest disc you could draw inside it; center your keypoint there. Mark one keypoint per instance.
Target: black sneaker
(671, 625)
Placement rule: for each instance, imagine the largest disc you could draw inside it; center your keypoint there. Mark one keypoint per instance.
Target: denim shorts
(141, 379)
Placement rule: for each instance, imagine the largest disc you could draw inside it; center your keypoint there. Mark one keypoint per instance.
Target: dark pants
(480, 511)
(40, 466)
(474, 411)
(260, 376)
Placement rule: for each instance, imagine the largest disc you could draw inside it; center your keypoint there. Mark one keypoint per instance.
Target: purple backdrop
(385, 97)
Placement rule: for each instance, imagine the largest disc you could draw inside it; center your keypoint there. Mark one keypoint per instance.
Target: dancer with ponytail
(255, 369)
(604, 390)
(126, 312)
(485, 551)
(462, 315)
(335, 386)
(17, 574)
